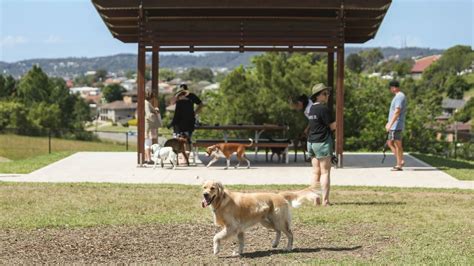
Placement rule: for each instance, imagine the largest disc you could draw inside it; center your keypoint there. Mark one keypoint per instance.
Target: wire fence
(16, 144)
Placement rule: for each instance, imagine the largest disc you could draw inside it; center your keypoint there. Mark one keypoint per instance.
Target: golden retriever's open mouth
(206, 201)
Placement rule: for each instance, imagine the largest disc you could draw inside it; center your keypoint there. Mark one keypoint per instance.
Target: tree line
(37, 105)
(259, 94)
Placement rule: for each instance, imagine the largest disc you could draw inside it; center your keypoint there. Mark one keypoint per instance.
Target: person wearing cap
(320, 142)
(396, 123)
(190, 96)
(184, 118)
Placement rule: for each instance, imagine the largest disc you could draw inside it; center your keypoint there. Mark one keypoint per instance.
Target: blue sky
(72, 28)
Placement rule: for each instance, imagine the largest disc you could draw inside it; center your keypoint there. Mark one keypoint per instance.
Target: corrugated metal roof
(188, 23)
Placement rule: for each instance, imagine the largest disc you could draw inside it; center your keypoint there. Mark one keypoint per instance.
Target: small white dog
(162, 154)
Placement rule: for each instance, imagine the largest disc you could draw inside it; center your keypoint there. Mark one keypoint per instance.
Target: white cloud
(12, 40)
(52, 39)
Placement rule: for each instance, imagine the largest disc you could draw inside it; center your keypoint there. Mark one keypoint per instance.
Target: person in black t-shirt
(320, 143)
(184, 119)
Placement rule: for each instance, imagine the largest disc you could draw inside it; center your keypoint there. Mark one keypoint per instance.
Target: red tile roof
(460, 127)
(423, 63)
(93, 98)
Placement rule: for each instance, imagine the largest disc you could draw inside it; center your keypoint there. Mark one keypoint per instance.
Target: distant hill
(121, 63)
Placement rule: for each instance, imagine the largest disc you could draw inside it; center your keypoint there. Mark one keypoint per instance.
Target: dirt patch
(4, 160)
(183, 243)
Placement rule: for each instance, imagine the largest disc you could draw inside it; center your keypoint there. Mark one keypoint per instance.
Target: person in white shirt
(302, 103)
(152, 123)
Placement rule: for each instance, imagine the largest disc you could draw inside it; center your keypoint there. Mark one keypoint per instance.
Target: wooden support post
(331, 81)
(340, 105)
(155, 63)
(141, 65)
(141, 103)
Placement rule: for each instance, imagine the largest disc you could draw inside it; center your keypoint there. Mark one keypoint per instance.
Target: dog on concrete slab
(300, 143)
(225, 150)
(163, 153)
(236, 212)
(278, 151)
(179, 145)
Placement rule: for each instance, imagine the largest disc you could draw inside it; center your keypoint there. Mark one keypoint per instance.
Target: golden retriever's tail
(296, 198)
(251, 143)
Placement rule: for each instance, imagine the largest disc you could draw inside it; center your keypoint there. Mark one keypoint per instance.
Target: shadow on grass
(266, 253)
(371, 203)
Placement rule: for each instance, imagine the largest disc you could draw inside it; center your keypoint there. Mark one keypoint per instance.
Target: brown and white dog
(179, 145)
(235, 212)
(225, 150)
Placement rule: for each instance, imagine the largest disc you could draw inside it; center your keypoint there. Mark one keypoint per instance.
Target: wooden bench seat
(262, 143)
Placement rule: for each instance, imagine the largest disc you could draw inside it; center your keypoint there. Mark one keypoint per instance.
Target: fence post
(455, 139)
(49, 141)
(126, 141)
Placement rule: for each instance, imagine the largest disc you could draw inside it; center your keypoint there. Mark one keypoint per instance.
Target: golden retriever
(235, 212)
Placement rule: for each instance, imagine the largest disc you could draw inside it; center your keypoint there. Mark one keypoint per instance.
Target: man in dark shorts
(396, 123)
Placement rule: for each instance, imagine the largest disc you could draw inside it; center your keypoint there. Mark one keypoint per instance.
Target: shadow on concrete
(421, 169)
(362, 160)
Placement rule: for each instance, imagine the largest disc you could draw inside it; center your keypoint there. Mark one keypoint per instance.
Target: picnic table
(258, 129)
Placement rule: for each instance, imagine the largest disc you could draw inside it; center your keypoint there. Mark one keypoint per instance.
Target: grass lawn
(100, 223)
(163, 131)
(28, 165)
(31, 153)
(460, 169)
(469, 93)
(469, 78)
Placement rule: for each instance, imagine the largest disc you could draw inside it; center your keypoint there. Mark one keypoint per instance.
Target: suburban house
(85, 91)
(163, 87)
(94, 102)
(451, 106)
(129, 84)
(130, 97)
(117, 111)
(422, 64)
(456, 130)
